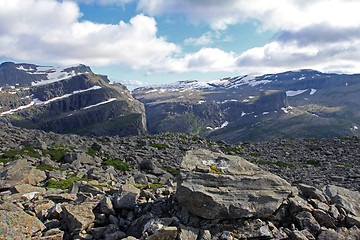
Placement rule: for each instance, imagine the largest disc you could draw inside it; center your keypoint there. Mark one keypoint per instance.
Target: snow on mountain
(51, 74)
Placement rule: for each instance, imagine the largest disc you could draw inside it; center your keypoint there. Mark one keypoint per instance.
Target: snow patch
(101, 103)
(295, 93)
(201, 102)
(313, 91)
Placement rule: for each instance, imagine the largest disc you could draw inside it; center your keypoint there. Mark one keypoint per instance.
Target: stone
(78, 217)
(127, 197)
(234, 188)
(306, 221)
(342, 197)
(323, 218)
(83, 158)
(298, 204)
(84, 187)
(18, 172)
(156, 230)
(312, 192)
(352, 220)
(53, 234)
(27, 188)
(16, 224)
(42, 208)
(147, 165)
(106, 206)
(328, 234)
(188, 233)
(297, 235)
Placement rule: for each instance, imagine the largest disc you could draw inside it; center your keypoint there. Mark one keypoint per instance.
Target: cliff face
(71, 100)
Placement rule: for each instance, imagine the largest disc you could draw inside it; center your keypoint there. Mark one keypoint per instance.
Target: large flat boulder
(218, 186)
(20, 171)
(16, 224)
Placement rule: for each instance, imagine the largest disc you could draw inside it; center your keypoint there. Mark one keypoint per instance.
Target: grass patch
(255, 154)
(345, 165)
(49, 168)
(13, 155)
(118, 164)
(313, 162)
(149, 186)
(172, 171)
(62, 184)
(231, 150)
(56, 154)
(92, 152)
(159, 146)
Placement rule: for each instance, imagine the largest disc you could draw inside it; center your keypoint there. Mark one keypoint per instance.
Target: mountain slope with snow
(303, 103)
(68, 100)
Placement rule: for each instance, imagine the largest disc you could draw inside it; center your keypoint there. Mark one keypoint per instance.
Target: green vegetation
(92, 152)
(62, 184)
(172, 171)
(278, 163)
(255, 154)
(13, 155)
(232, 150)
(48, 168)
(159, 146)
(56, 154)
(118, 164)
(148, 186)
(313, 162)
(345, 165)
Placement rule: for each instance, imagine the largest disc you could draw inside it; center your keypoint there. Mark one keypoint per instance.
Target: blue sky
(141, 42)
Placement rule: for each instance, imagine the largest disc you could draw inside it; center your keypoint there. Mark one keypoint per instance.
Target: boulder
(16, 224)
(78, 217)
(20, 171)
(127, 197)
(342, 197)
(218, 186)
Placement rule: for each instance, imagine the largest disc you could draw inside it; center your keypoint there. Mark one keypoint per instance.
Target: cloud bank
(318, 34)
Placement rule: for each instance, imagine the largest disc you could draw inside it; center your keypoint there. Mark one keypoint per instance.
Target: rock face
(217, 186)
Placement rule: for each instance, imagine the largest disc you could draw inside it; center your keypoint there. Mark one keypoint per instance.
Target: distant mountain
(68, 100)
(294, 104)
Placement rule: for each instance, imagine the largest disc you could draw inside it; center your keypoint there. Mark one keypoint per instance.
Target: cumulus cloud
(49, 31)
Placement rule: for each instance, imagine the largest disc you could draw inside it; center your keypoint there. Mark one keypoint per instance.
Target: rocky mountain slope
(68, 99)
(293, 104)
(56, 186)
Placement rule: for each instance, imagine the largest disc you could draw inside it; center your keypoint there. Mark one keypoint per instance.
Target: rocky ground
(73, 187)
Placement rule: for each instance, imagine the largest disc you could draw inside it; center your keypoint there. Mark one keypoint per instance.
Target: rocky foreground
(174, 186)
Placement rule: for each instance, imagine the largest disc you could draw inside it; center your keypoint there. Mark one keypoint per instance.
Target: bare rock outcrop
(218, 186)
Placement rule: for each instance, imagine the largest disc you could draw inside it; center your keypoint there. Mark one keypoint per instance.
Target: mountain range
(293, 104)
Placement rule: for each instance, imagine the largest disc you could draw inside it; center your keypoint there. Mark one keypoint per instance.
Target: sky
(142, 42)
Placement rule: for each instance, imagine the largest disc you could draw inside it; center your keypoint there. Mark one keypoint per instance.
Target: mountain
(293, 104)
(68, 100)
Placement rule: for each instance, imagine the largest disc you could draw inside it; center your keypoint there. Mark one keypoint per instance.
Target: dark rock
(127, 197)
(306, 221)
(78, 217)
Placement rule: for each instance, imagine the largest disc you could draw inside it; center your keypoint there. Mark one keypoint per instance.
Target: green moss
(13, 155)
(159, 146)
(62, 184)
(48, 168)
(56, 154)
(92, 152)
(232, 150)
(255, 154)
(345, 165)
(313, 162)
(118, 164)
(172, 171)
(149, 186)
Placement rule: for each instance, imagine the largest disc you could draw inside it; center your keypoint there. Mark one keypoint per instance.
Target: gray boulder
(78, 217)
(127, 197)
(218, 186)
(16, 224)
(20, 171)
(342, 197)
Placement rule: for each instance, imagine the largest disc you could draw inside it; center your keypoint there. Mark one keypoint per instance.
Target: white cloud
(275, 14)
(49, 31)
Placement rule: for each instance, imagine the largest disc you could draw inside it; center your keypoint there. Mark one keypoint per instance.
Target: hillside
(56, 186)
(68, 100)
(293, 104)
